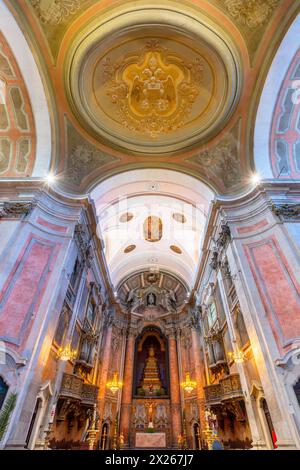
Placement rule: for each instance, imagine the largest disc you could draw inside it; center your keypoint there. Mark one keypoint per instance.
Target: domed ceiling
(151, 84)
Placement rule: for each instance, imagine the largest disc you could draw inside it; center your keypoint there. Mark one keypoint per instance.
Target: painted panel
(252, 228)
(24, 289)
(51, 226)
(278, 289)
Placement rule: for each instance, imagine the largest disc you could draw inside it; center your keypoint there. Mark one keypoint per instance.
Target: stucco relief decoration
(154, 90)
(251, 13)
(222, 160)
(83, 157)
(55, 12)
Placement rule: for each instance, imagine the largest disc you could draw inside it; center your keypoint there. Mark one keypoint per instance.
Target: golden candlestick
(92, 431)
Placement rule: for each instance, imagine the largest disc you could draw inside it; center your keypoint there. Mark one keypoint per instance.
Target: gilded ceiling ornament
(55, 12)
(154, 91)
(251, 13)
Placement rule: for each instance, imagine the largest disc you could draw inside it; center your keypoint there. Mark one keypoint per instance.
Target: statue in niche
(151, 377)
(151, 300)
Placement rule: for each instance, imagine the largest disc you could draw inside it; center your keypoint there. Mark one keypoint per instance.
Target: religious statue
(150, 405)
(151, 377)
(151, 300)
(134, 299)
(168, 300)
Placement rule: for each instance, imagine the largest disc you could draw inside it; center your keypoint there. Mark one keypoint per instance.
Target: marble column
(127, 389)
(104, 371)
(175, 390)
(199, 376)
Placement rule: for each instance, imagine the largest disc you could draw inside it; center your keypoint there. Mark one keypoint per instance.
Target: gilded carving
(251, 13)
(154, 90)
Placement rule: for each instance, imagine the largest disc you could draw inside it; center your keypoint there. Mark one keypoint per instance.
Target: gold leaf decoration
(154, 91)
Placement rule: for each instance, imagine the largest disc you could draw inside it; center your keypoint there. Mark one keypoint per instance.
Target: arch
(151, 336)
(147, 193)
(273, 100)
(24, 58)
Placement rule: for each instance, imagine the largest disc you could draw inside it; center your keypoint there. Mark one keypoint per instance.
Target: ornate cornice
(287, 211)
(15, 210)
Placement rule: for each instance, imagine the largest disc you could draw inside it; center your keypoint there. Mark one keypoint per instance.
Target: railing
(74, 387)
(89, 394)
(228, 388)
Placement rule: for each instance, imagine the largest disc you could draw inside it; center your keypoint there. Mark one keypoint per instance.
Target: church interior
(149, 224)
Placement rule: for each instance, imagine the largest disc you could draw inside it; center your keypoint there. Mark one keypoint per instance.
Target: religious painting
(153, 229)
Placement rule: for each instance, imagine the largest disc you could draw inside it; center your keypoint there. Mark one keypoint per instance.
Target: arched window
(297, 391)
(17, 128)
(3, 391)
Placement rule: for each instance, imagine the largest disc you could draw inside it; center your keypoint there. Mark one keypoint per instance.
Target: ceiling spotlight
(50, 178)
(255, 178)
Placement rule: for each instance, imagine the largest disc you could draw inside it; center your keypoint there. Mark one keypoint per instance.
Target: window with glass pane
(3, 391)
(91, 313)
(212, 314)
(297, 391)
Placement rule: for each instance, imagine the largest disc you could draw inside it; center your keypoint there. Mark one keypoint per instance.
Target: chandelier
(114, 385)
(66, 353)
(188, 385)
(238, 357)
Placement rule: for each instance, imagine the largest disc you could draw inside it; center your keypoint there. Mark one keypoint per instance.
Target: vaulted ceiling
(134, 85)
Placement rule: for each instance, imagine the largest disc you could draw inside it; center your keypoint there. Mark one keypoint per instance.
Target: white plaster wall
(7, 228)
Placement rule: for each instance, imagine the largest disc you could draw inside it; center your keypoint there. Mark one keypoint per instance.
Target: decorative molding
(223, 160)
(287, 211)
(15, 210)
(251, 13)
(153, 89)
(55, 12)
(82, 157)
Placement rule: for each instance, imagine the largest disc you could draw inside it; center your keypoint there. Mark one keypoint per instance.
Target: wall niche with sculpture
(151, 365)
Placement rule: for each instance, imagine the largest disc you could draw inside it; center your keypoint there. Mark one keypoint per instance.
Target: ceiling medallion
(153, 80)
(153, 91)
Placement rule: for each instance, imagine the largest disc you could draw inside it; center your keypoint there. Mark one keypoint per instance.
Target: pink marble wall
(24, 289)
(54, 227)
(278, 288)
(252, 228)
